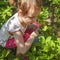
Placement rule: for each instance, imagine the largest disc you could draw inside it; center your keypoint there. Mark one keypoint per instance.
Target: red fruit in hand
(27, 34)
(29, 31)
(36, 24)
(11, 43)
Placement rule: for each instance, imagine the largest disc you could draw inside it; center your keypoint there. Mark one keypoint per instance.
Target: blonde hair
(24, 5)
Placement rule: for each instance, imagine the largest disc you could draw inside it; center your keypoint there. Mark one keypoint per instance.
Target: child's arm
(21, 46)
(29, 42)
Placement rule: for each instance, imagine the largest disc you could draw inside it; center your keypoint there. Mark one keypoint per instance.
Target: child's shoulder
(13, 17)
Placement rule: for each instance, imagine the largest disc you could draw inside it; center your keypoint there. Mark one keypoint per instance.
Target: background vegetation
(48, 47)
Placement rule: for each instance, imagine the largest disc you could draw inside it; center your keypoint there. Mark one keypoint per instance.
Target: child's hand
(35, 33)
(36, 25)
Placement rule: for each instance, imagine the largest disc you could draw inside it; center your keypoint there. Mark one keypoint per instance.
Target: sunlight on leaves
(45, 28)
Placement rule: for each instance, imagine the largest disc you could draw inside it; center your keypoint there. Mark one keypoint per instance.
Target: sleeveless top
(11, 25)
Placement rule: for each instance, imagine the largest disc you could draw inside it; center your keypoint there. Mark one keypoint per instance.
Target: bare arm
(21, 46)
(29, 42)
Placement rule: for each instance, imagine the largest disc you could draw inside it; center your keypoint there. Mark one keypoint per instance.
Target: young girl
(17, 24)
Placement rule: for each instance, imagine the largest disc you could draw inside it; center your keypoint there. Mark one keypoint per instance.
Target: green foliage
(48, 47)
(44, 13)
(5, 13)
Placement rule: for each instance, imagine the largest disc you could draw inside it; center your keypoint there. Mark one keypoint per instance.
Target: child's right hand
(36, 28)
(32, 31)
(35, 33)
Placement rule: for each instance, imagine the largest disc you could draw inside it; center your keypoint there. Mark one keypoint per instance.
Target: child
(17, 24)
(26, 35)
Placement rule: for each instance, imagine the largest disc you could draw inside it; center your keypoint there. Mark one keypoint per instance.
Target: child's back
(11, 25)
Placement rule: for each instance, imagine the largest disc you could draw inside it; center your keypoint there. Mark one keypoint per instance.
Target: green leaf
(7, 53)
(46, 49)
(48, 38)
(45, 28)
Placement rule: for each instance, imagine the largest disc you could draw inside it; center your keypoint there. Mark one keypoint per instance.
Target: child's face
(32, 13)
